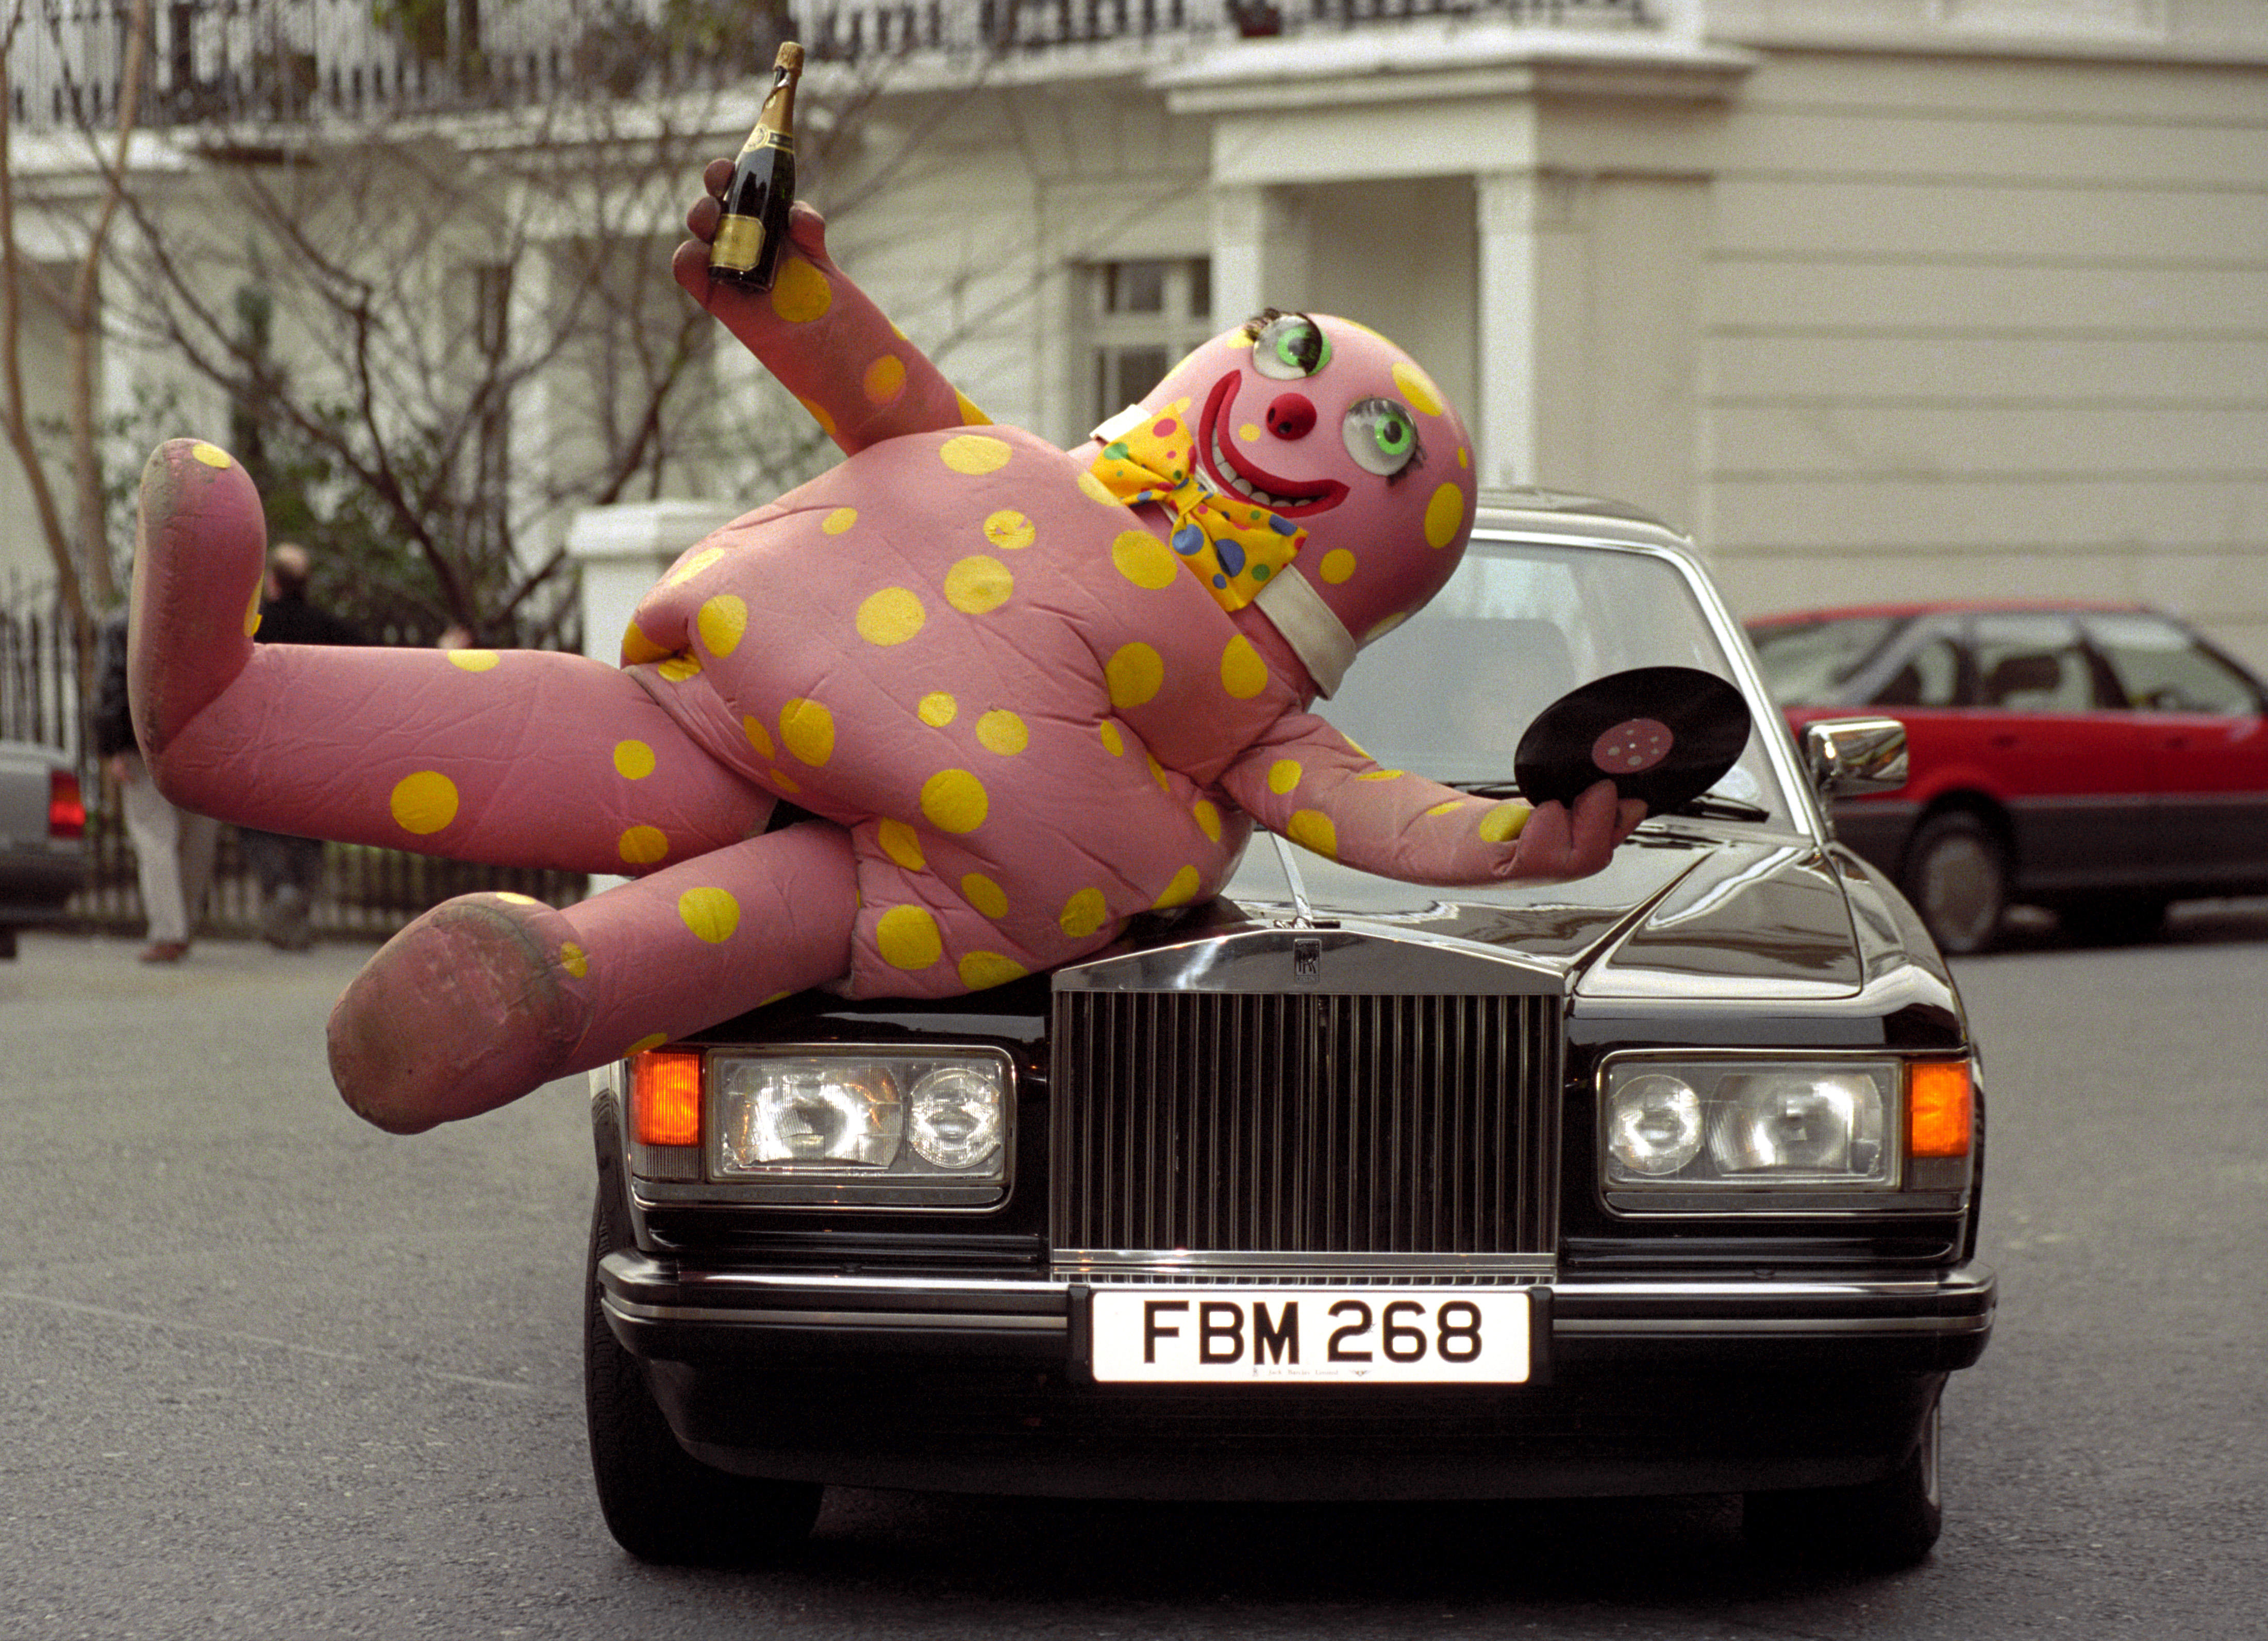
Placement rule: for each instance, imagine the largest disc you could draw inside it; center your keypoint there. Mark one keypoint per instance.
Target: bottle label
(764, 136)
(739, 241)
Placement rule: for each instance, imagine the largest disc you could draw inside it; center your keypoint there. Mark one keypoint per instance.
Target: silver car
(43, 837)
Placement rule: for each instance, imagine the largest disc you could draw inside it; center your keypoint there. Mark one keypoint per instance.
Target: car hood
(1738, 912)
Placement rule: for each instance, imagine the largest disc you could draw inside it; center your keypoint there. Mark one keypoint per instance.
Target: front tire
(1880, 1526)
(1956, 875)
(662, 1505)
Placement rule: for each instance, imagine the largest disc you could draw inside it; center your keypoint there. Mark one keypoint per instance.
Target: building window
(1142, 316)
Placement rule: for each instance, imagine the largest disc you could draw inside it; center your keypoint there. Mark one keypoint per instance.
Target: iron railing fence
(304, 62)
(368, 894)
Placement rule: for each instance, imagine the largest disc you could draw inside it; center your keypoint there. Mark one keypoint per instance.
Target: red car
(2098, 760)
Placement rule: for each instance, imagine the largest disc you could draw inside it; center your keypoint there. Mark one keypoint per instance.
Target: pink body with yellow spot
(1028, 692)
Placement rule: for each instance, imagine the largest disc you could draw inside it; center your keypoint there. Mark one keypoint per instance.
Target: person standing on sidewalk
(173, 849)
(290, 868)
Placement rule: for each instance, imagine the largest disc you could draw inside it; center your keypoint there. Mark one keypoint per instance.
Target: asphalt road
(267, 1371)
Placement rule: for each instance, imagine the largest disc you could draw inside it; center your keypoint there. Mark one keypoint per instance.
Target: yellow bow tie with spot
(1231, 544)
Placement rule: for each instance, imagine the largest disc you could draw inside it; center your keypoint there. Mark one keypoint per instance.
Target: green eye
(1290, 348)
(1381, 435)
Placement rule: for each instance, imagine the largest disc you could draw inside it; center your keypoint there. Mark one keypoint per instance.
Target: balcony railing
(308, 61)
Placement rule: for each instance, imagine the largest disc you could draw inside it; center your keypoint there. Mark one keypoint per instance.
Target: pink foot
(198, 565)
(468, 1008)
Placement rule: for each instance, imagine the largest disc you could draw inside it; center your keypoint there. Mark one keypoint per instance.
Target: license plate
(1386, 1335)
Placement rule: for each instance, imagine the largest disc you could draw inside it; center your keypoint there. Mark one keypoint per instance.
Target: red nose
(1290, 417)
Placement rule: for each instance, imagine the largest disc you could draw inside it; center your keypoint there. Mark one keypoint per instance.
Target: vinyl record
(1666, 734)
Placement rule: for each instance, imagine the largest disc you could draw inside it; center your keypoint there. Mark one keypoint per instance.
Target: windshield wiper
(1708, 805)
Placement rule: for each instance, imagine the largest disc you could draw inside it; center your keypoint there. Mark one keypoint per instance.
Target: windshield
(1807, 662)
(1448, 692)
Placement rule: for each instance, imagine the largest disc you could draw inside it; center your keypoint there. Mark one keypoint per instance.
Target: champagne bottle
(753, 227)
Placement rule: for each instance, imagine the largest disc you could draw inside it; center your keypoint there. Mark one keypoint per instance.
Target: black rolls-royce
(1660, 1182)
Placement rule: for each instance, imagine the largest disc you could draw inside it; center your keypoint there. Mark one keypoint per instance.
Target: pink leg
(484, 998)
(520, 757)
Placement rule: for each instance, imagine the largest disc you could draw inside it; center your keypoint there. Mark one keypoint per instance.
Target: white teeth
(1238, 482)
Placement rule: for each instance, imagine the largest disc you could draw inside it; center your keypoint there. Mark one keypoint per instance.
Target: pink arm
(822, 335)
(1309, 782)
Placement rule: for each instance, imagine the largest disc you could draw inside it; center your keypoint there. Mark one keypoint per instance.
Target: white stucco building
(1878, 297)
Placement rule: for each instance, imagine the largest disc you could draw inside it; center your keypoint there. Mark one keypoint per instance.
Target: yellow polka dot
(1449, 808)
(807, 730)
(1010, 531)
(891, 616)
(759, 737)
(651, 1040)
(1464, 457)
(954, 801)
(1283, 775)
(981, 969)
(1135, 673)
(724, 620)
(784, 781)
(985, 895)
(633, 760)
(908, 937)
(1003, 731)
(643, 845)
(711, 913)
(1143, 560)
(938, 709)
(1249, 432)
(1084, 913)
(1505, 822)
(884, 381)
(901, 843)
(1113, 743)
(1158, 773)
(1445, 514)
(1381, 774)
(974, 454)
(1243, 673)
(840, 520)
(637, 648)
(1338, 564)
(574, 960)
(1382, 628)
(677, 668)
(1417, 388)
(1181, 890)
(800, 292)
(1208, 818)
(978, 585)
(511, 899)
(1312, 828)
(474, 660)
(693, 565)
(1096, 491)
(819, 414)
(211, 455)
(970, 416)
(424, 803)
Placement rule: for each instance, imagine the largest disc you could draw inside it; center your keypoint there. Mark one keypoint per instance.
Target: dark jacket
(112, 718)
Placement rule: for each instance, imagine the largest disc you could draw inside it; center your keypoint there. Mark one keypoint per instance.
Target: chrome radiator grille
(1305, 1123)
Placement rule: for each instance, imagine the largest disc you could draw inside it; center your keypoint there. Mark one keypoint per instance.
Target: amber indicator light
(666, 1097)
(1938, 1104)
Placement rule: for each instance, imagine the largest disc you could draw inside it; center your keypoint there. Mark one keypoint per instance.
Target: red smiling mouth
(1230, 475)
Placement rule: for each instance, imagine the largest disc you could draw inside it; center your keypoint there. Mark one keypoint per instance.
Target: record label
(1665, 734)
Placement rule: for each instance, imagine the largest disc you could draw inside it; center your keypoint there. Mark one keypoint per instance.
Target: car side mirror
(1848, 757)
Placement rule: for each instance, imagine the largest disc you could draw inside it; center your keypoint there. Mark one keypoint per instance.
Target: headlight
(1778, 1124)
(823, 1126)
(807, 1111)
